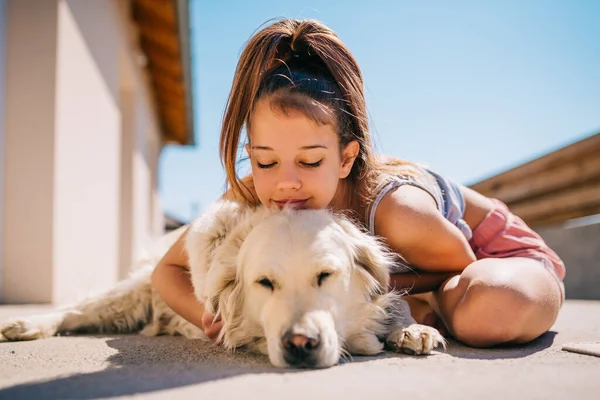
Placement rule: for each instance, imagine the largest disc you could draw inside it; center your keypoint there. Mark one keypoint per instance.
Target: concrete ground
(123, 366)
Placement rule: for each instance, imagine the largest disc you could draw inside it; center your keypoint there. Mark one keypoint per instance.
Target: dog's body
(303, 286)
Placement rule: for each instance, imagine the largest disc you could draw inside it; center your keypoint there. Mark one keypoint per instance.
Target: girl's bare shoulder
(410, 222)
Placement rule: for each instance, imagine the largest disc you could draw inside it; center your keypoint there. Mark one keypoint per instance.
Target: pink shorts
(502, 234)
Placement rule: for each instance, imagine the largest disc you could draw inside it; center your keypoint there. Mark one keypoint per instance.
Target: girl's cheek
(260, 180)
(261, 184)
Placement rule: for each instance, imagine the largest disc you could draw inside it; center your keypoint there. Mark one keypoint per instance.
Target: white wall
(87, 150)
(143, 165)
(141, 221)
(2, 107)
(81, 150)
(31, 34)
(578, 247)
(126, 238)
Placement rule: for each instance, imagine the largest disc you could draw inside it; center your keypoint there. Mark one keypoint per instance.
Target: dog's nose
(299, 349)
(307, 343)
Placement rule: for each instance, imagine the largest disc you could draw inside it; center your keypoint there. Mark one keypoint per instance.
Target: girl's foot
(424, 314)
(433, 320)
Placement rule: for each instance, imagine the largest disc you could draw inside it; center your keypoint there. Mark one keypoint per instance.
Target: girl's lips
(291, 203)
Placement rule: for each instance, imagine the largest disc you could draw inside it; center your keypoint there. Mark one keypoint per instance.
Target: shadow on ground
(543, 342)
(143, 365)
(459, 350)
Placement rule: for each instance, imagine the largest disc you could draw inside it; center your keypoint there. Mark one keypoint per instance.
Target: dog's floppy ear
(223, 284)
(371, 255)
(205, 235)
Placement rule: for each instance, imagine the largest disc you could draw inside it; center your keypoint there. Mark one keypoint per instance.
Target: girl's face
(294, 159)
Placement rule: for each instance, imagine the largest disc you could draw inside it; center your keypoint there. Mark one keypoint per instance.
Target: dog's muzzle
(300, 350)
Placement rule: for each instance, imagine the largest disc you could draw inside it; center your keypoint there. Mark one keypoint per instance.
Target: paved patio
(123, 366)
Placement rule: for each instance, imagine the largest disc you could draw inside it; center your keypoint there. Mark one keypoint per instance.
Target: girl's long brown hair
(297, 48)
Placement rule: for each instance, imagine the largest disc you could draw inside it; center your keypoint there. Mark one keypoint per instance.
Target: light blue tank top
(446, 193)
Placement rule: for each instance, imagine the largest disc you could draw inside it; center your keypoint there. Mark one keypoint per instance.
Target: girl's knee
(519, 278)
(501, 304)
(488, 315)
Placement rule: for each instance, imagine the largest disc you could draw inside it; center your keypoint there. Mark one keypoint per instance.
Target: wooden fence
(556, 187)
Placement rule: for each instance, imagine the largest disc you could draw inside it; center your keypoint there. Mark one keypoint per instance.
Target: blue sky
(470, 88)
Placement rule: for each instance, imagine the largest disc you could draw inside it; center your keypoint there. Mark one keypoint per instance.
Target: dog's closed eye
(322, 277)
(267, 283)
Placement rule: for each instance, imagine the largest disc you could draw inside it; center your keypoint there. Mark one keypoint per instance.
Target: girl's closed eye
(312, 165)
(304, 164)
(265, 166)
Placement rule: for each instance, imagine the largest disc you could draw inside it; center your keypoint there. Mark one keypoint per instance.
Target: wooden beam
(575, 172)
(174, 123)
(162, 27)
(574, 151)
(561, 202)
(563, 216)
(553, 188)
(167, 98)
(170, 85)
(162, 11)
(162, 64)
(161, 40)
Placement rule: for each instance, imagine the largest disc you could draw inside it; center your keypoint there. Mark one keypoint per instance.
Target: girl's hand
(211, 328)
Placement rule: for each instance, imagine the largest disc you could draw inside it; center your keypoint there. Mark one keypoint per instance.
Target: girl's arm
(419, 281)
(411, 224)
(171, 279)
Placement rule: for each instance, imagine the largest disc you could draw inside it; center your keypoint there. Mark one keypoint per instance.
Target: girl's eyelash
(308, 165)
(312, 165)
(265, 166)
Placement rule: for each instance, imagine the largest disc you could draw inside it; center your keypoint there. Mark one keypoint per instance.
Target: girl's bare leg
(495, 301)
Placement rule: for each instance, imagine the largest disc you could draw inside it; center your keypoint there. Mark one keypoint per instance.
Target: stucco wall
(31, 35)
(82, 144)
(2, 107)
(87, 150)
(579, 248)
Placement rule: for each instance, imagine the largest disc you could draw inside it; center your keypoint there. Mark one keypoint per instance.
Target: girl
(298, 92)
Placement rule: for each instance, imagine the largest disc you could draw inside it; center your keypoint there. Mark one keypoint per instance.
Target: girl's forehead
(324, 137)
(283, 105)
(271, 127)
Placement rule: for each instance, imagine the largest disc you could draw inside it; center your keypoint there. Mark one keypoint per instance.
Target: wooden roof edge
(183, 24)
(539, 163)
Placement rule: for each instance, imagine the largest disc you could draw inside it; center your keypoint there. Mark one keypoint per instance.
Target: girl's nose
(288, 180)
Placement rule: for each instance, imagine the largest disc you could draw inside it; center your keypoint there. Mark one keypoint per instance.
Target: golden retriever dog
(305, 287)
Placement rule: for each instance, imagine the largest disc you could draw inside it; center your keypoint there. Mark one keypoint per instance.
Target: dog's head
(301, 283)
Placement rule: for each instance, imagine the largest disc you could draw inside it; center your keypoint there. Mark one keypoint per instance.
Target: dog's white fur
(305, 287)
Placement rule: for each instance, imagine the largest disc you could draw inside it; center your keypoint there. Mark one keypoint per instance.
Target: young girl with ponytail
(298, 94)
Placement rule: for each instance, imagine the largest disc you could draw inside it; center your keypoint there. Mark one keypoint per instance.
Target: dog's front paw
(37, 327)
(415, 339)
